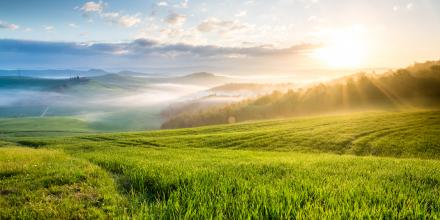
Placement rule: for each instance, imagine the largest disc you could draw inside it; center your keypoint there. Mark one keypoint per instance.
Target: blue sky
(278, 36)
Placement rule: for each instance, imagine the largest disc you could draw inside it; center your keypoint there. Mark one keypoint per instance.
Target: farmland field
(360, 165)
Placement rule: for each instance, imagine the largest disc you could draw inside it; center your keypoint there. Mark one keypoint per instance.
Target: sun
(344, 49)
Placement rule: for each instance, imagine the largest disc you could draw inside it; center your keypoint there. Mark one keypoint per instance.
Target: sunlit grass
(42, 184)
(302, 168)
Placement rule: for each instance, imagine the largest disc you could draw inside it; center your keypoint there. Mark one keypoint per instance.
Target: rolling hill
(313, 167)
(123, 81)
(53, 74)
(124, 101)
(417, 86)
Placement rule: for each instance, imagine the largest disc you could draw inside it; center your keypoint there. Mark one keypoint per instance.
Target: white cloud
(220, 26)
(123, 20)
(129, 21)
(309, 3)
(110, 16)
(90, 8)
(73, 25)
(241, 13)
(9, 26)
(312, 18)
(315, 19)
(155, 30)
(175, 19)
(93, 6)
(183, 4)
(162, 3)
(49, 28)
(408, 6)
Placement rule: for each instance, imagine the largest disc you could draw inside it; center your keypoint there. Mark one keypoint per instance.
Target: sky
(229, 36)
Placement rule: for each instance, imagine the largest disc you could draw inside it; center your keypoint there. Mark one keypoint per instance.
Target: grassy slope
(261, 169)
(47, 126)
(42, 184)
(394, 134)
(129, 120)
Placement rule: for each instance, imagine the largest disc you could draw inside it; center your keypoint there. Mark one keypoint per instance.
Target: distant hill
(119, 101)
(44, 84)
(57, 74)
(222, 95)
(130, 80)
(250, 89)
(65, 79)
(417, 86)
(202, 78)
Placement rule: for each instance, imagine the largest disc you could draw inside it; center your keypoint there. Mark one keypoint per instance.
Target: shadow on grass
(139, 186)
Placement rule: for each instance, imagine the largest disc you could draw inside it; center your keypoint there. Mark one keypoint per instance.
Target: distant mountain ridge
(52, 73)
(68, 73)
(45, 80)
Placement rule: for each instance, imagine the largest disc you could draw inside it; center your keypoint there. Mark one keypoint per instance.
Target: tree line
(417, 86)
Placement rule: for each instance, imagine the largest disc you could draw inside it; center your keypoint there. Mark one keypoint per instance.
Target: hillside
(53, 74)
(250, 89)
(124, 80)
(417, 86)
(44, 84)
(38, 126)
(263, 169)
(374, 133)
(202, 78)
(116, 102)
(221, 96)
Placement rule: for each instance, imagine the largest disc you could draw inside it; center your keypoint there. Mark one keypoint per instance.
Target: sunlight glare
(345, 49)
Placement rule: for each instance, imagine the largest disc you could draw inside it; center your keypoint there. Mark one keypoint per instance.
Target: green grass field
(46, 126)
(362, 165)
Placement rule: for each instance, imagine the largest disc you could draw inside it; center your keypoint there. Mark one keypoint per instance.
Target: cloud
(183, 4)
(90, 8)
(220, 26)
(123, 20)
(148, 54)
(142, 47)
(162, 3)
(175, 19)
(73, 25)
(6, 25)
(129, 21)
(49, 28)
(93, 7)
(408, 6)
(312, 18)
(241, 13)
(309, 3)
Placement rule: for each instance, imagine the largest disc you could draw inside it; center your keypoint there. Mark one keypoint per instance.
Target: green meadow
(359, 165)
